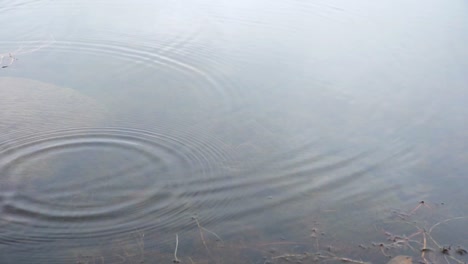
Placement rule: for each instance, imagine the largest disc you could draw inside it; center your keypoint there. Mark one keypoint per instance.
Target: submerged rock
(31, 113)
(401, 260)
(28, 107)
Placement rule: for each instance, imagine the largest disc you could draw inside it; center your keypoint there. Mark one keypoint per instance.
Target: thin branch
(445, 221)
(213, 233)
(424, 248)
(176, 260)
(201, 235)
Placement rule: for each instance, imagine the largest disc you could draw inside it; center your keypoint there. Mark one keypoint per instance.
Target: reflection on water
(251, 131)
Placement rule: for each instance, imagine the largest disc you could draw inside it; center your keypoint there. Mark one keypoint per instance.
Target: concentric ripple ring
(92, 182)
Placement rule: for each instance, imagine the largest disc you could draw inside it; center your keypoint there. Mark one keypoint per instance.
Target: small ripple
(185, 57)
(297, 177)
(92, 182)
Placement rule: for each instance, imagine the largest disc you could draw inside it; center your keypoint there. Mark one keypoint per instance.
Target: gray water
(246, 129)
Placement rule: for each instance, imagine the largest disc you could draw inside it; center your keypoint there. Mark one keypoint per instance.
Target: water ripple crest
(92, 182)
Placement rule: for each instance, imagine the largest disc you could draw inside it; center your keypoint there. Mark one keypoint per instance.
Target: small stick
(457, 260)
(445, 221)
(383, 251)
(424, 248)
(439, 246)
(213, 233)
(285, 256)
(421, 203)
(201, 235)
(445, 257)
(347, 260)
(176, 260)
(351, 260)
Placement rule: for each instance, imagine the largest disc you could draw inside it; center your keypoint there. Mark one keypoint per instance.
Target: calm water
(245, 129)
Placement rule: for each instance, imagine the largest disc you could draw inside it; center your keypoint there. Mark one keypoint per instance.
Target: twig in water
(438, 245)
(176, 260)
(346, 260)
(445, 221)
(421, 203)
(201, 235)
(382, 249)
(424, 247)
(214, 234)
(287, 256)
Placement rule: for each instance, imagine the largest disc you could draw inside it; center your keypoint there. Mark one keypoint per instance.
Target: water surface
(247, 128)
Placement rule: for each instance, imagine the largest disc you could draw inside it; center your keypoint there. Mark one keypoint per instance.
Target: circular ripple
(97, 182)
(189, 60)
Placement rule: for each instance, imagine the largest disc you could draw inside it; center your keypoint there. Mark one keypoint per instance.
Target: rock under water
(401, 259)
(29, 106)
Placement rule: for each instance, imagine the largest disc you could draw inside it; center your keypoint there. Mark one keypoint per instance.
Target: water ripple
(92, 182)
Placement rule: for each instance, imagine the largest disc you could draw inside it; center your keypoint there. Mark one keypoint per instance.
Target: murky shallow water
(267, 123)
